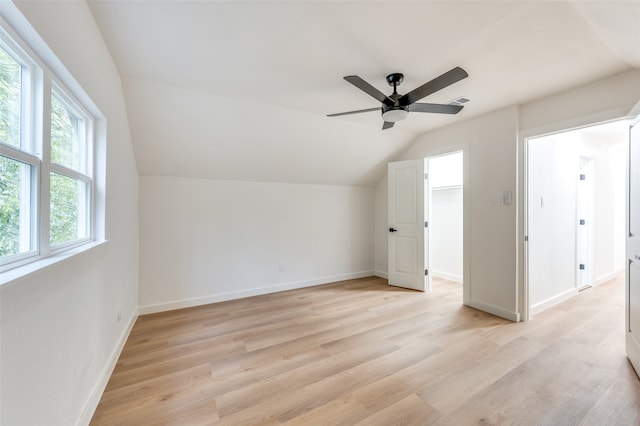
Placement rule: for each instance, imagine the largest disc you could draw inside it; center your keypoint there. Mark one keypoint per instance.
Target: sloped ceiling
(240, 90)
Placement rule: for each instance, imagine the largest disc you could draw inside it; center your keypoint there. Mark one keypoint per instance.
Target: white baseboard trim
(381, 274)
(94, 397)
(447, 276)
(607, 277)
(552, 301)
(187, 303)
(494, 310)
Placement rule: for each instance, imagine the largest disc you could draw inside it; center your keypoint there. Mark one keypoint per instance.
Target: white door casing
(408, 263)
(632, 275)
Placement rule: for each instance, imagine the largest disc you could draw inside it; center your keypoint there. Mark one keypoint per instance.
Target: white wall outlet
(282, 267)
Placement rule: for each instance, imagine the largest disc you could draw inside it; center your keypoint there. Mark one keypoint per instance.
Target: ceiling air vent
(459, 101)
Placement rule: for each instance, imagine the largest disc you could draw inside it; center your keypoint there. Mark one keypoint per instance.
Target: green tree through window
(10, 170)
(10, 87)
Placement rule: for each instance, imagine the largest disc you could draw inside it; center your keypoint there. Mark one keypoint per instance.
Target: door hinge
(583, 177)
(426, 272)
(582, 266)
(582, 221)
(426, 224)
(426, 176)
(526, 238)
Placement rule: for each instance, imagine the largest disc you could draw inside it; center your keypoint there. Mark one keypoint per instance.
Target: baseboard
(187, 303)
(607, 277)
(443, 275)
(447, 276)
(381, 274)
(552, 301)
(94, 397)
(494, 310)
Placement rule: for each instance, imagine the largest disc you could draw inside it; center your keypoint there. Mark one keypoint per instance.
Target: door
(632, 275)
(408, 242)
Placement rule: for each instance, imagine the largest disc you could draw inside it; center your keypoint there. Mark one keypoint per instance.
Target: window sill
(14, 275)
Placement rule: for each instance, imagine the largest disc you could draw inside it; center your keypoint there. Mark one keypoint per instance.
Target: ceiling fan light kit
(393, 115)
(396, 107)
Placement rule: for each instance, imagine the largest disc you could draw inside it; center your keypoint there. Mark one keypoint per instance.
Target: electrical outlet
(282, 267)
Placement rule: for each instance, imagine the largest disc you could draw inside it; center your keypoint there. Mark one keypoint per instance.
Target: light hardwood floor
(361, 352)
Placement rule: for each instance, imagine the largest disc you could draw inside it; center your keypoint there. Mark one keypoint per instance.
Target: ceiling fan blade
(353, 112)
(438, 83)
(435, 108)
(369, 89)
(387, 125)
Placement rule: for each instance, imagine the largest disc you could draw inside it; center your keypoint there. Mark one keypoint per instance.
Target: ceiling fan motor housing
(395, 112)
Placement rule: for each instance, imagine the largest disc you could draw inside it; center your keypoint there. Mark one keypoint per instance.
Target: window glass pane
(65, 147)
(15, 207)
(68, 209)
(10, 87)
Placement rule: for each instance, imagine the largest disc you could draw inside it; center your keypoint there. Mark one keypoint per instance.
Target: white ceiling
(241, 89)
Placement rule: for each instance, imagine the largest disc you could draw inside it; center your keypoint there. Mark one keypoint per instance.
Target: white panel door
(633, 250)
(407, 242)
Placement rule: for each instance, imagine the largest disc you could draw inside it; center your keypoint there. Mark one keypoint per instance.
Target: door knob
(393, 230)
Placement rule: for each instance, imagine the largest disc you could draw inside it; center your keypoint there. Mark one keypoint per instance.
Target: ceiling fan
(396, 107)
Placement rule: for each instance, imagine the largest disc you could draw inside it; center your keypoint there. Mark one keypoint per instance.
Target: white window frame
(39, 83)
(84, 174)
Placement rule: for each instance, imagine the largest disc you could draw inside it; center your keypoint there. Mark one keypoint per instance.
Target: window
(46, 161)
(69, 183)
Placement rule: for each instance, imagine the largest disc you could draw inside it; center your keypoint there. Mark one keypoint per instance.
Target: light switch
(498, 199)
(506, 198)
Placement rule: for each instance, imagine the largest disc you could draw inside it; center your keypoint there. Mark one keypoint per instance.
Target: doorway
(426, 201)
(575, 211)
(445, 194)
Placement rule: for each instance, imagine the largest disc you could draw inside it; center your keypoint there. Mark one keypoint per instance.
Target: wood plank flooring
(361, 352)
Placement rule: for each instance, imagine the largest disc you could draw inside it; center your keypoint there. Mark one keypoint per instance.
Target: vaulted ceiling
(240, 89)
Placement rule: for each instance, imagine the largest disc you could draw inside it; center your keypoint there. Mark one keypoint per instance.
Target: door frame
(523, 287)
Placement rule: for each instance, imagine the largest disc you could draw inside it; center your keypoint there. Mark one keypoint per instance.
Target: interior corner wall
(203, 241)
(59, 329)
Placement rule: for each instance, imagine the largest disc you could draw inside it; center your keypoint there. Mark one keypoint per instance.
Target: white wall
(445, 223)
(381, 228)
(59, 328)
(204, 240)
